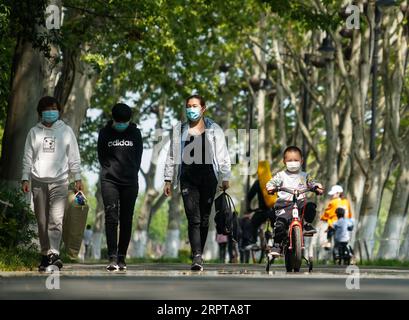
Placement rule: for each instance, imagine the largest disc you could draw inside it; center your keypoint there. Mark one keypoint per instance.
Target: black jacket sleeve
(139, 149)
(101, 147)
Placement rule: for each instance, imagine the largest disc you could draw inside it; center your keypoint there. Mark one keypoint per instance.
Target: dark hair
(46, 102)
(340, 212)
(198, 97)
(121, 112)
(292, 149)
(88, 226)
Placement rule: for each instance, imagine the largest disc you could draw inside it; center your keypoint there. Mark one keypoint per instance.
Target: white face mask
(293, 166)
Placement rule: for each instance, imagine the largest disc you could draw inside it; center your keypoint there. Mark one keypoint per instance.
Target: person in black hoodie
(120, 150)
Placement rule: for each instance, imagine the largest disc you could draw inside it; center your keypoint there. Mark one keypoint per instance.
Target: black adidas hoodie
(119, 154)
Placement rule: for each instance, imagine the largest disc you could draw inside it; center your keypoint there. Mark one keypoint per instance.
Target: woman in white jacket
(199, 159)
(50, 154)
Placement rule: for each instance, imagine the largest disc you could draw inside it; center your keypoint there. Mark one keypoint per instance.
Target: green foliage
(87, 142)
(18, 259)
(27, 22)
(305, 16)
(159, 225)
(15, 221)
(183, 226)
(7, 45)
(384, 263)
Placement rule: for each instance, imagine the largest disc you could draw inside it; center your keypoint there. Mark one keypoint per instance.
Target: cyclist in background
(261, 214)
(338, 200)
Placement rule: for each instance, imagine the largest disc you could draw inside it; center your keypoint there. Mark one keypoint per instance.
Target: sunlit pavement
(229, 281)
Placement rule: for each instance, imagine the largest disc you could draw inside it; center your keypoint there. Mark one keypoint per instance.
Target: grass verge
(18, 259)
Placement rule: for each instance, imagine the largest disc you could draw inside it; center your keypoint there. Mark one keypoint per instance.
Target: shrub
(16, 220)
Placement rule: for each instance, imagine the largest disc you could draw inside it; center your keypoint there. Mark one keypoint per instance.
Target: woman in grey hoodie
(50, 154)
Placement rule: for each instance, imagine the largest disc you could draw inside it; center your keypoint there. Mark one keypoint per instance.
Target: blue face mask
(193, 113)
(120, 126)
(50, 116)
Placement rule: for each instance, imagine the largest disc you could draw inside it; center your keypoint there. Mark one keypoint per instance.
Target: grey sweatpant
(49, 206)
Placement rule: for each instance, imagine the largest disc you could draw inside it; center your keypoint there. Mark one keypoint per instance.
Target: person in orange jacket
(338, 200)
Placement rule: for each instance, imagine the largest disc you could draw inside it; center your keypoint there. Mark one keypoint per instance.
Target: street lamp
(378, 17)
(326, 47)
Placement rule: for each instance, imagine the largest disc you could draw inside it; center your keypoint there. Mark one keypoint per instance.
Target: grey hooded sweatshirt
(50, 154)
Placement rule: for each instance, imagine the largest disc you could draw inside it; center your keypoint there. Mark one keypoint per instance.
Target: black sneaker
(197, 263)
(54, 259)
(309, 229)
(275, 250)
(43, 264)
(121, 263)
(112, 265)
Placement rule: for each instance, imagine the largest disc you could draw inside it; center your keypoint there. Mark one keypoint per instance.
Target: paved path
(175, 282)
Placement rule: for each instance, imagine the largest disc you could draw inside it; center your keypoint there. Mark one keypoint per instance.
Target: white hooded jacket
(50, 154)
(220, 154)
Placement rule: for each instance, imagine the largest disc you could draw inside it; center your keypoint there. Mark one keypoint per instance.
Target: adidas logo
(120, 143)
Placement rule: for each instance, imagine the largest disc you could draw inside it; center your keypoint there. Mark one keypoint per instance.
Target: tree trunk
(346, 132)
(404, 249)
(395, 223)
(28, 86)
(99, 225)
(259, 79)
(378, 174)
(75, 88)
(356, 76)
(395, 48)
(260, 106)
(141, 233)
(332, 128)
(271, 129)
(173, 234)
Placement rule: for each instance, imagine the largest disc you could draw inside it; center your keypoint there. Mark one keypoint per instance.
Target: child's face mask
(293, 166)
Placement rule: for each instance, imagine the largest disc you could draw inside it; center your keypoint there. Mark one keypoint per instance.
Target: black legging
(259, 217)
(198, 191)
(119, 203)
(222, 252)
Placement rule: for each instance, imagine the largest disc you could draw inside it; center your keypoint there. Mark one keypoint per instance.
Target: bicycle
(293, 245)
(264, 238)
(342, 252)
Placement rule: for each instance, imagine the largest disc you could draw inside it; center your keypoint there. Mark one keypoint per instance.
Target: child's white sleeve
(274, 182)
